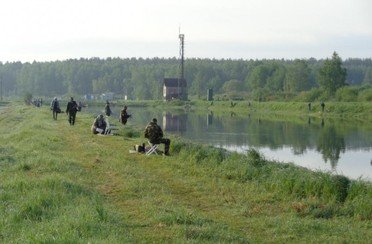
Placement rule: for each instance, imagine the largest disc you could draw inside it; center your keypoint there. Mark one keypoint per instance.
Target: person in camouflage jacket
(154, 133)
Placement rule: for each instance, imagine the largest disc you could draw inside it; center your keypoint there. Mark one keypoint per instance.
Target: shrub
(256, 158)
(347, 94)
(341, 186)
(309, 96)
(365, 95)
(131, 133)
(27, 97)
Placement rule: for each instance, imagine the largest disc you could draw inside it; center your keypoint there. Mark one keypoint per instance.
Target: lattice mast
(182, 60)
(182, 57)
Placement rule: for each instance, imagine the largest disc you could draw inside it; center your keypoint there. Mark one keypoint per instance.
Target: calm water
(340, 146)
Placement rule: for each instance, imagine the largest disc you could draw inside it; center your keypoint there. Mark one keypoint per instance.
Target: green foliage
(141, 79)
(260, 94)
(332, 75)
(232, 86)
(341, 188)
(368, 77)
(267, 75)
(256, 159)
(347, 94)
(131, 133)
(310, 96)
(365, 95)
(297, 77)
(27, 98)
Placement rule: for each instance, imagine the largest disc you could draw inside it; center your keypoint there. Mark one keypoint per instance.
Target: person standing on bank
(108, 111)
(124, 115)
(54, 106)
(154, 133)
(71, 111)
(322, 105)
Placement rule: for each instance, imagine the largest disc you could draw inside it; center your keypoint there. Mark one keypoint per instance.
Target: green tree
(258, 77)
(276, 79)
(332, 75)
(368, 77)
(297, 77)
(232, 86)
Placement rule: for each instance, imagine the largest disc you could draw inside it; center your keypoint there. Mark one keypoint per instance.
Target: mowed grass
(60, 183)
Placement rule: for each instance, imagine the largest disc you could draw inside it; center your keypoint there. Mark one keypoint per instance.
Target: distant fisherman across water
(322, 105)
(71, 111)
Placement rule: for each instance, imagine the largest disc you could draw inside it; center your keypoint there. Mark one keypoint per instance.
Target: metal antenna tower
(182, 57)
(182, 60)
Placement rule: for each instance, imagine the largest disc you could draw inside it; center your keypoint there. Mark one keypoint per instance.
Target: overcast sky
(45, 30)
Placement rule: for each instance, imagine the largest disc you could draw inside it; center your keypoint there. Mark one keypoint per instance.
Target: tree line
(142, 78)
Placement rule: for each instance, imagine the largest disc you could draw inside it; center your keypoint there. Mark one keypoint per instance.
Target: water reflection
(210, 119)
(313, 142)
(174, 122)
(330, 144)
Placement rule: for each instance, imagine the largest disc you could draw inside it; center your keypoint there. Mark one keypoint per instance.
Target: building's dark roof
(173, 82)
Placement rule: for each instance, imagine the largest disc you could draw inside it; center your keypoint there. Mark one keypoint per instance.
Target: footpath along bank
(61, 183)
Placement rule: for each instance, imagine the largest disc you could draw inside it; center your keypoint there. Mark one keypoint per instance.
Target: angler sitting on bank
(154, 133)
(99, 125)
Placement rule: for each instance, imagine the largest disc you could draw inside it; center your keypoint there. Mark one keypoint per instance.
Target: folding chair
(152, 149)
(109, 128)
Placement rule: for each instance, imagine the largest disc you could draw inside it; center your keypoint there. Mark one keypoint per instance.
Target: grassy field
(60, 183)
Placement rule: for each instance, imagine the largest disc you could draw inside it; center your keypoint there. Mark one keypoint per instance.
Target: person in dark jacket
(322, 104)
(107, 109)
(124, 115)
(54, 106)
(71, 111)
(154, 133)
(99, 125)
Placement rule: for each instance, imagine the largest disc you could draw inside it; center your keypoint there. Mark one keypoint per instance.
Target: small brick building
(174, 88)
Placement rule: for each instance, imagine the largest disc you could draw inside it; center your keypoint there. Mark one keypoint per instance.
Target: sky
(49, 30)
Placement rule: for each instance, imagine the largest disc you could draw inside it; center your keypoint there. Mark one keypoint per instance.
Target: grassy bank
(61, 183)
(332, 109)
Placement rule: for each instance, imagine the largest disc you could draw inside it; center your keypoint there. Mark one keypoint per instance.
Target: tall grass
(60, 183)
(347, 197)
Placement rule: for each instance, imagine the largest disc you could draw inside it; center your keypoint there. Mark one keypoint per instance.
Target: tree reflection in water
(331, 139)
(330, 144)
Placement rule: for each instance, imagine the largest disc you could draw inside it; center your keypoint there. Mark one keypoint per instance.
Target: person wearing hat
(154, 133)
(99, 125)
(71, 110)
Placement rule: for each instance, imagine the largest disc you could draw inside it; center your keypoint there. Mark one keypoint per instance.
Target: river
(334, 145)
